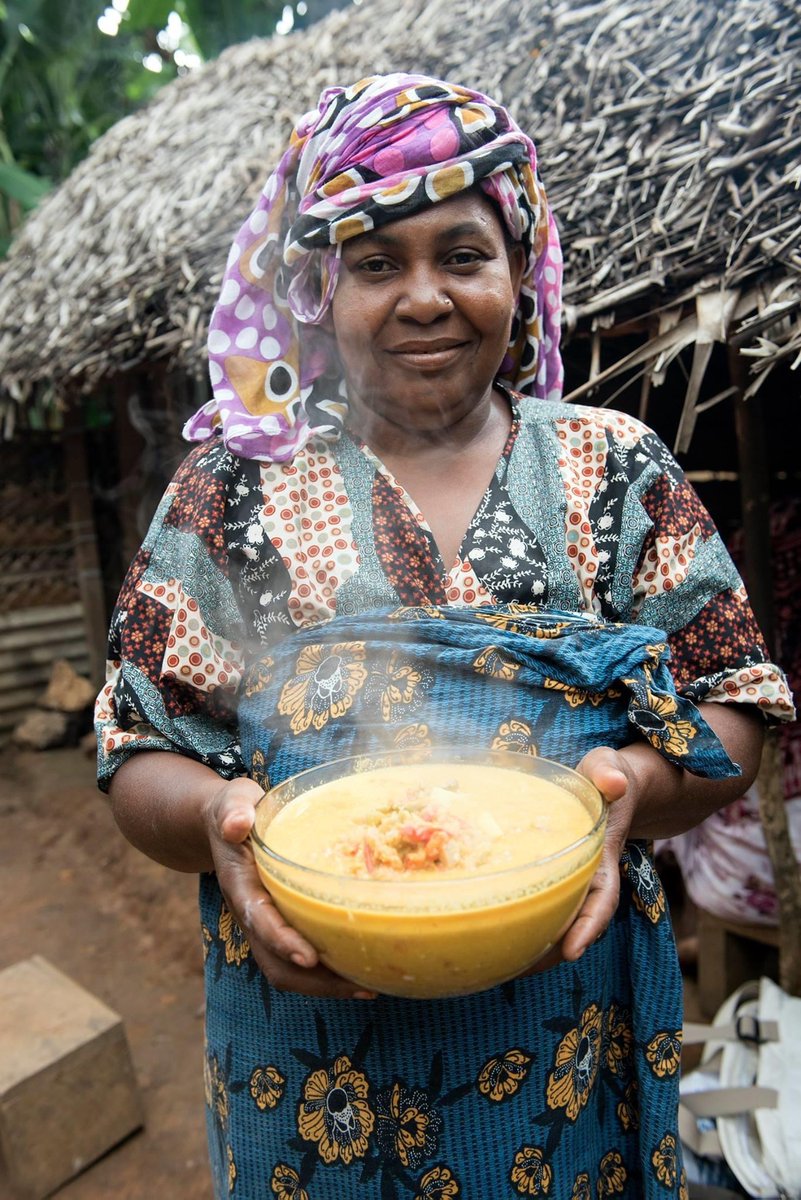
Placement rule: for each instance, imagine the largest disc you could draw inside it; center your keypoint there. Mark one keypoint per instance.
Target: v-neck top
(586, 511)
(407, 545)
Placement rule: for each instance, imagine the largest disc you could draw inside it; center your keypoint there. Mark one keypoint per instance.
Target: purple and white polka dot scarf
(385, 148)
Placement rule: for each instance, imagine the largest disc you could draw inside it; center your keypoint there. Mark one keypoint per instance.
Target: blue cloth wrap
(355, 684)
(563, 1083)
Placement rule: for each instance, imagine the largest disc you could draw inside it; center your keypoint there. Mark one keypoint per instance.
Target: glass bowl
(428, 937)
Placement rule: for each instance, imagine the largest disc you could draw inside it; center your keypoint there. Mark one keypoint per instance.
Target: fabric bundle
(512, 678)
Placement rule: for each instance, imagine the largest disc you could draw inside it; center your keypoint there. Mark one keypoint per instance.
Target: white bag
(743, 1103)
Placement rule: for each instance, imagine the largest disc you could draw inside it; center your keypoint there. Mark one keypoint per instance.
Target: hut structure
(669, 133)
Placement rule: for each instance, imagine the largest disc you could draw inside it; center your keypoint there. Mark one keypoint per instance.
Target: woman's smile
(429, 354)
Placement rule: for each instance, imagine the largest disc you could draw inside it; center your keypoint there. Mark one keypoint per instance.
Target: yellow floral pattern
(516, 736)
(267, 1087)
(655, 652)
(401, 688)
(646, 886)
(206, 938)
(215, 1090)
(501, 1077)
(492, 662)
(258, 770)
(581, 1187)
(619, 1040)
(335, 1114)
(407, 1126)
(218, 1103)
(531, 1175)
(576, 1067)
(438, 1184)
(235, 944)
(325, 682)
(575, 696)
(259, 676)
(612, 1174)
(409, 736)
(665, 1160)
(628, 1109)
(658, 723)
(551, 631)
(285, 1183)
(664, 1053)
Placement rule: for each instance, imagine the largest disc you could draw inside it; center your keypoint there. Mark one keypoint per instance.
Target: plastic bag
(743, 1103)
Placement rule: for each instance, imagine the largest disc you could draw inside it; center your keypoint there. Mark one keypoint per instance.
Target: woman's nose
(424, 298)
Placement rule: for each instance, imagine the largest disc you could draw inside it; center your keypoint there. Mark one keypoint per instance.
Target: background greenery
(63, 81)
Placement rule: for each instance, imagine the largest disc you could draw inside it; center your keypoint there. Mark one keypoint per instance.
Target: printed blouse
(587, 511)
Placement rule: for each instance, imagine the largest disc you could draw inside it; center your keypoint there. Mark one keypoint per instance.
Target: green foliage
(22, 186)
(64, 82)
(217, 25)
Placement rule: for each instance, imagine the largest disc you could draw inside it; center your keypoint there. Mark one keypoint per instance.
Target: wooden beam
(84, 540)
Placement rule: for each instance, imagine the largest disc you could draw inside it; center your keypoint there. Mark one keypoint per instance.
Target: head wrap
(383, 149)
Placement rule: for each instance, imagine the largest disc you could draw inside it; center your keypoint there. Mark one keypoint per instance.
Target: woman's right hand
(289, 962)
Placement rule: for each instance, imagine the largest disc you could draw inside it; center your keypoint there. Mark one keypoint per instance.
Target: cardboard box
(67, 1087)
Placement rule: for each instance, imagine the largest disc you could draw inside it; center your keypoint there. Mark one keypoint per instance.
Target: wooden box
(731, 953)
(67, 1088)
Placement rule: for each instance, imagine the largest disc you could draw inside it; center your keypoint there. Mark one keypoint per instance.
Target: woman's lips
(432, 356)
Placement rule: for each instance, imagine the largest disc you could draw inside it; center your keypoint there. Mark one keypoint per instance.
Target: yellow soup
(431, 879)
(432, 821)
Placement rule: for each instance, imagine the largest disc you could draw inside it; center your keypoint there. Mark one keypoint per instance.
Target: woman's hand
(617, 783)
(650, 797)
(288, 961)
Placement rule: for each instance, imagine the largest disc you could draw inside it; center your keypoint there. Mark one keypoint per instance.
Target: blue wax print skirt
(562, 1084)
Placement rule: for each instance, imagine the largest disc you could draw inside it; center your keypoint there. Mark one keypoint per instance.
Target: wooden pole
(755, 497)
(84, 540)
(130, 446)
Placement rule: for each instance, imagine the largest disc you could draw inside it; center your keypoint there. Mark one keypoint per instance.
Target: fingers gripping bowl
(435, 876)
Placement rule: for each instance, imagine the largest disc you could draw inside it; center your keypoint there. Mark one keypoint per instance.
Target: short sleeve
(686, 583)
(176, 636)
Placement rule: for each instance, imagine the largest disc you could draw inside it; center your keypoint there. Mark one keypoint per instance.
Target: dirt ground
(76, 893)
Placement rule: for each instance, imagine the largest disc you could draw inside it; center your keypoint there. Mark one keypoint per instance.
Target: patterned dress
(561, 1084)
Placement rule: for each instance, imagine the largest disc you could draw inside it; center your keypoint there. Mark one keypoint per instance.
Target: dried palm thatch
(669, 134)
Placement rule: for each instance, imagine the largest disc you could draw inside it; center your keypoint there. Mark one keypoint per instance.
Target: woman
(366, 474)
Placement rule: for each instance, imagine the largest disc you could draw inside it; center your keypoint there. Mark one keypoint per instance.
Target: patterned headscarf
(383, 149)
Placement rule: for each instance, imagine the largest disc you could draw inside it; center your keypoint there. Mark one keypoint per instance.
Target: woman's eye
(375, 266)
(465, 258)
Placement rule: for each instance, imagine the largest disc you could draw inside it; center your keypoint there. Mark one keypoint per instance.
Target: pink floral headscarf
(369, 154)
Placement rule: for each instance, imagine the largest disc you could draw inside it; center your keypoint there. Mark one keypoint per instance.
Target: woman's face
(422, 313)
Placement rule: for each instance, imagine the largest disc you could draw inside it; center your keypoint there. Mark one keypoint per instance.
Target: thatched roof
(669, 134)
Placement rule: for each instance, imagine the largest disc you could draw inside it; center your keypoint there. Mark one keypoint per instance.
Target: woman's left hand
(617, 782)
(650, 797)
(614, 778)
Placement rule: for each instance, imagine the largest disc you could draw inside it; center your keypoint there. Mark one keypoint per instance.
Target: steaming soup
(434, 820)
(434, 879)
